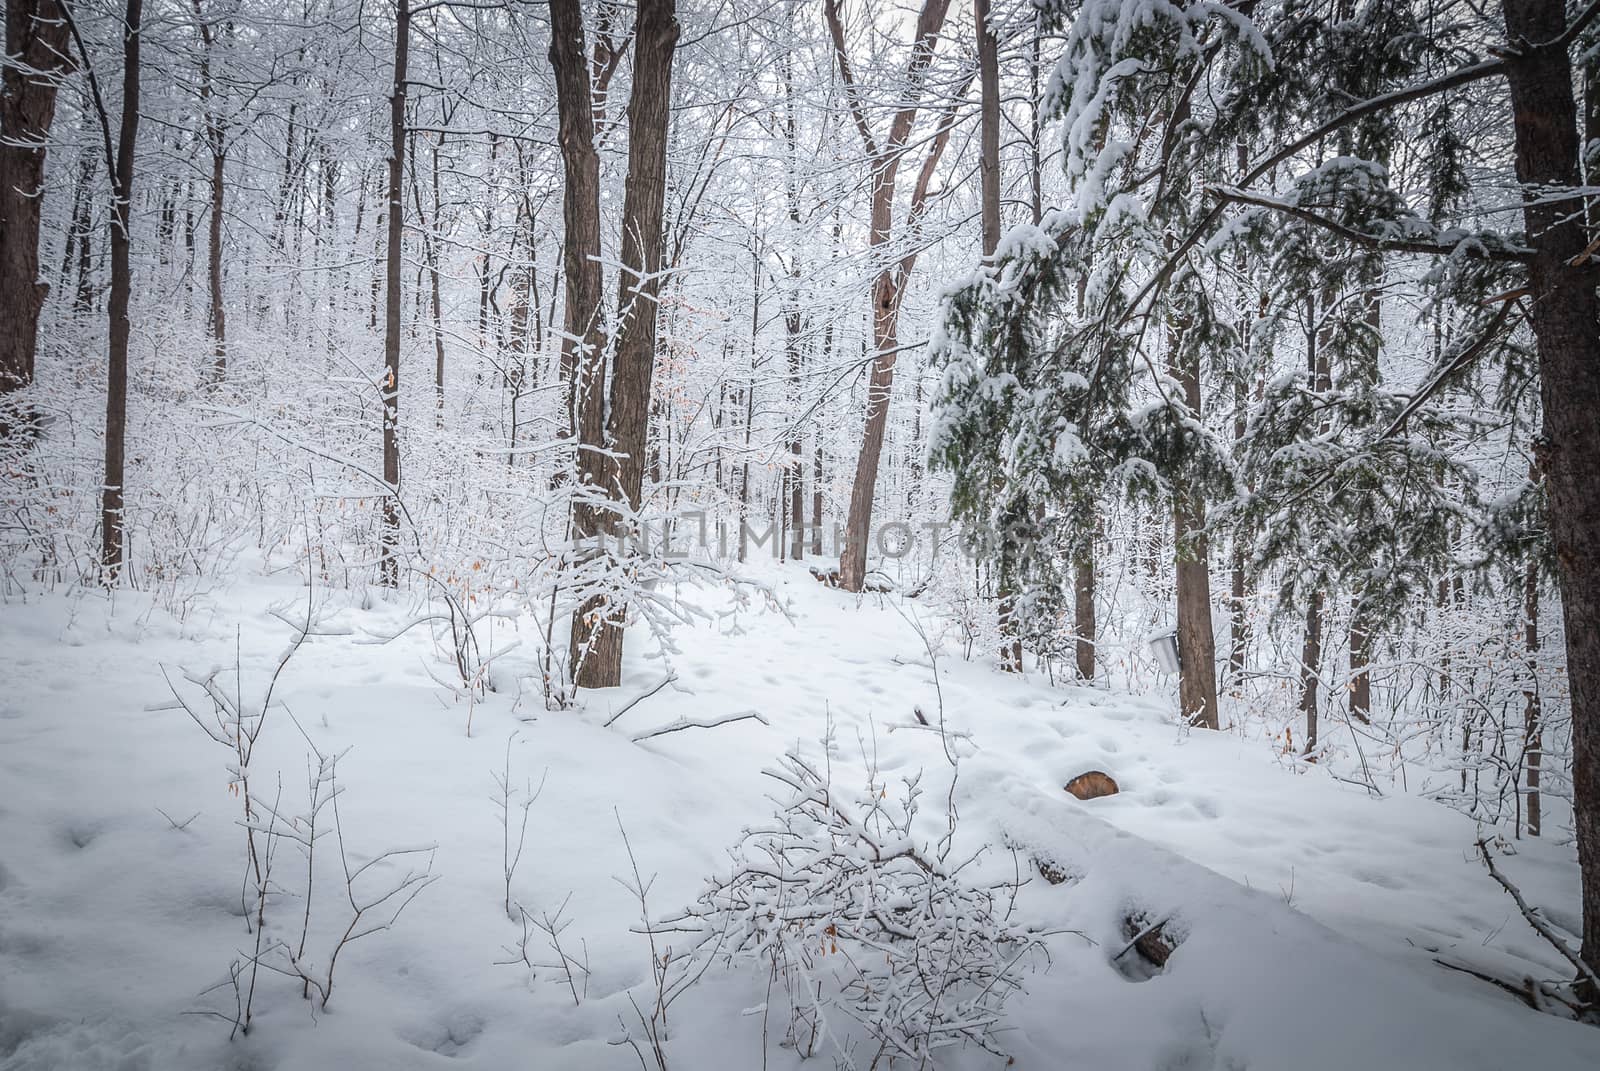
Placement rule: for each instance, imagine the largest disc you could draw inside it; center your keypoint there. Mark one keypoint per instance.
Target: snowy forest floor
(1311, 911)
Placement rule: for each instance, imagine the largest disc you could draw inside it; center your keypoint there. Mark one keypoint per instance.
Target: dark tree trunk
(1197, 643)
(111, 494)
(794, 474)
(1083, 624)
(889, 284)
(1533, 728)
(81, 264)
(583, 341)
(389, 563)
(36, 36)
(218, 311)
(215, 136)
(1565, 316)
(597, 636)
(989, 124)
(1310, 669)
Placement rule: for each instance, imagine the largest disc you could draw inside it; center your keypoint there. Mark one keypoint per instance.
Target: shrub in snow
(861, 926)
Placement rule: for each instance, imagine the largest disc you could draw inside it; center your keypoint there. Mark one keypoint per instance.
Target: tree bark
(794, 473)
(122, 171)
(1564, 314)
(597, 631)
(389, 562)
(1197, 643)
(215, 141)
(36, 36)
(1083, 624)
(888, 286)
(1533, 728)
(1310, 669)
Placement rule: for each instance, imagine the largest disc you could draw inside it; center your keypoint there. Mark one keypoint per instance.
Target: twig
(700, 723)
(636, 700)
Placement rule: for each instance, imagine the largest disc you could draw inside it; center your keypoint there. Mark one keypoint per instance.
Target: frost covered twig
(511, 856)
(700, 723)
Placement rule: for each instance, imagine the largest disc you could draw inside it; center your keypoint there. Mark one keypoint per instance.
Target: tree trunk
(111, 494)
(215, 142)
(989, 211)
(888, 286)
(1360, 657)
(597, 635)
(83, 229)
(218, 313)
(1083, 624)
(389, 563)
(1533, 729)
(989, 124)
(1197, 676)
(36, 50)
(1310, 669)
(1565, 316)
(1197, 643)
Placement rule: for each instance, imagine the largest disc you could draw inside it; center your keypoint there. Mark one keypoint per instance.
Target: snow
(1310, 910)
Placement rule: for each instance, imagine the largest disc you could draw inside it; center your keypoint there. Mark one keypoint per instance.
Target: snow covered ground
(1310, 911)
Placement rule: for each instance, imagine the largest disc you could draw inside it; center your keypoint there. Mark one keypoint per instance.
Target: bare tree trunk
(583, 342)
(1533, 728)
(433, 275)
(597, 634)
(794, 473)
(888, 286)
(989, 124)
(1310, 669)
(1564, 313)
(1311, 653)
(989, 211)
(428, 225)
(120, 165)
(36, 50)
(215, 136)
(1083, 623)
(1360, 658)
(389, 563)
(80, 262)
(1197, 645)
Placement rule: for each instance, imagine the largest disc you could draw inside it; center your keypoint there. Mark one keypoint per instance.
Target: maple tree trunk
(1564, 314)
(36, 34)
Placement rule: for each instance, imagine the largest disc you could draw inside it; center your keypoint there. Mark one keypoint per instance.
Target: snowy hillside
(1307, 912)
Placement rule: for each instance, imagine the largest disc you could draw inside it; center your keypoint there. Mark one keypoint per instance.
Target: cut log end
(1152, 942)
(1092, 785)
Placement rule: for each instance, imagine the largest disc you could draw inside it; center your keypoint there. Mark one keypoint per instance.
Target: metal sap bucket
(1164, 645)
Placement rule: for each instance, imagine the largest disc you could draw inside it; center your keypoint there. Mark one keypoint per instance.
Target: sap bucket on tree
(1164, 645)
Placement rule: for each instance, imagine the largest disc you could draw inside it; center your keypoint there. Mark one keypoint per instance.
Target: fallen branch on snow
(701, 723)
